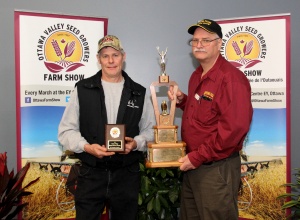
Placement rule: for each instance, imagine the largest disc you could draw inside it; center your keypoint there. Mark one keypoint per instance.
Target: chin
(201, 56)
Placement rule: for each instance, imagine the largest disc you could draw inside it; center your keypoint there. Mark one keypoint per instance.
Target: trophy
(166, 149)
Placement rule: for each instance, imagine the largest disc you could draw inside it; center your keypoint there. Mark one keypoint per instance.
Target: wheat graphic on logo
(246, 51)
(61, 64)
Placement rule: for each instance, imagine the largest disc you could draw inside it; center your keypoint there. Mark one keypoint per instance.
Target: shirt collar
(212, 73)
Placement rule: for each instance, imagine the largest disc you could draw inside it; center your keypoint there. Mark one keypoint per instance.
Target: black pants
(118, 186)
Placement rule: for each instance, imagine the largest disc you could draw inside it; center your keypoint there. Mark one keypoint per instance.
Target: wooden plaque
(115, 137)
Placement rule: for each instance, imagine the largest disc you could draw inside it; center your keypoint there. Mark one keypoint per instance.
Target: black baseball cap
(208, 25)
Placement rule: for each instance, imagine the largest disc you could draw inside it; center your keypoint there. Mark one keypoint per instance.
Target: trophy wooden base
(162, 164)
(164, 154)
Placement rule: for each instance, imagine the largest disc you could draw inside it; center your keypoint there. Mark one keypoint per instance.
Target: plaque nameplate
(115, 137)
(167, 134)
(165, 154)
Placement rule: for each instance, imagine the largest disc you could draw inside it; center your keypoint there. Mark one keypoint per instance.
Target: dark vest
(93, 117)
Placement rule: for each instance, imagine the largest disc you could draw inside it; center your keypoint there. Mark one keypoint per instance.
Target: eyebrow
(204, 38)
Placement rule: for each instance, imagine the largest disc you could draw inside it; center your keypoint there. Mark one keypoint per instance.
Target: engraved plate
(167, 154)
(163, 79)
(167, 135)
(165, 119)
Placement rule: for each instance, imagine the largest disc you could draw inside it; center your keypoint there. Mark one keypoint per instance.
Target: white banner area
(252, 47)
(260, 48)
(53, 52)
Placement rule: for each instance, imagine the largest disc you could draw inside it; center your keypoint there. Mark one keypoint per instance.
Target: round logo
(63, 47)
(242, 47)
(115, 132)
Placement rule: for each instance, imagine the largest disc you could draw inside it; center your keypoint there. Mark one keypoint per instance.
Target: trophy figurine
(166, 149)
(163, 76)
(164, 108)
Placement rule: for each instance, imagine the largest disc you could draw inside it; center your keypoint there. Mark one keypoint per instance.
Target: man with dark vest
(108, 97)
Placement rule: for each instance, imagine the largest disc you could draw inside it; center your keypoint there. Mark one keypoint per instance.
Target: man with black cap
(108, 97)
(217, 114)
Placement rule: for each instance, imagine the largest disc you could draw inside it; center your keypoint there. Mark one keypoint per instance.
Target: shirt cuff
(81, 146)
(140, 143)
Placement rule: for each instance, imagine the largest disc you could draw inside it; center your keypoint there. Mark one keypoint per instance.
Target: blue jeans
(117, 186)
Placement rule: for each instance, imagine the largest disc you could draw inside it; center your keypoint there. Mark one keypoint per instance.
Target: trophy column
(166, 149)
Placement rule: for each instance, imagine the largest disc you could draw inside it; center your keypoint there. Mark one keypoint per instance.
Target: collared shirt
(217, 113)
(69, 133)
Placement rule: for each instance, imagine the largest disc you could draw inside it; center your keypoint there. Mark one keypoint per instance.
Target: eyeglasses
(203, 42)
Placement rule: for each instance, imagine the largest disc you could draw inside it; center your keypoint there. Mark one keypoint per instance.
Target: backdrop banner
(53, 52)
(260, 48)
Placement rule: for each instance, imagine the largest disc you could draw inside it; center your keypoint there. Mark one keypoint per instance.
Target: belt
(233, 155)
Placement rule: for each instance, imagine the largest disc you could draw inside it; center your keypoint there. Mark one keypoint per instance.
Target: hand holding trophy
(166, 149)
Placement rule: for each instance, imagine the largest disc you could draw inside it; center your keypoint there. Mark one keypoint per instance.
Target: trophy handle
(155, 103)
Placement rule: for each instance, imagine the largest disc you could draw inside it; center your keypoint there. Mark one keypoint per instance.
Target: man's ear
(219, 44)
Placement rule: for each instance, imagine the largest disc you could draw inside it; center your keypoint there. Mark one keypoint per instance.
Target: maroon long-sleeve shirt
(217, 113)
